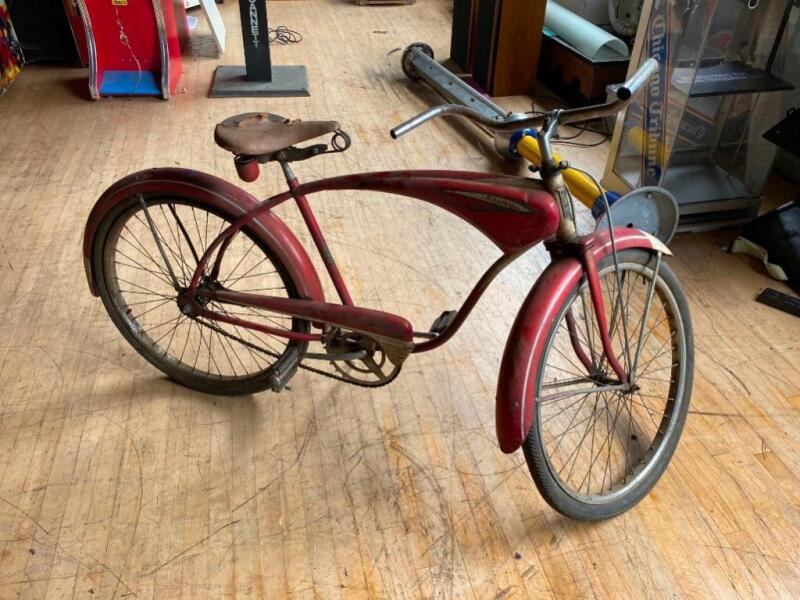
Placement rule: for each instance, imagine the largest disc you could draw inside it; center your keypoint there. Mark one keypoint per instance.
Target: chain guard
(340, 375)
(375, 369)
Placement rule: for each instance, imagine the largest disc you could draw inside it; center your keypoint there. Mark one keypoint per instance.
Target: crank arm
(373, 366)
(346, 356)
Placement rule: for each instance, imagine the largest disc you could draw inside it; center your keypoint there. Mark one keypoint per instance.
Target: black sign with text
(255, 33)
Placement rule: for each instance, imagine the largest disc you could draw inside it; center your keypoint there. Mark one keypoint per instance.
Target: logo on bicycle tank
(498, 202)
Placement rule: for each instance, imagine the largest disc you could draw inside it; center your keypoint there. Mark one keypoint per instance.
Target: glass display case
(698, 130)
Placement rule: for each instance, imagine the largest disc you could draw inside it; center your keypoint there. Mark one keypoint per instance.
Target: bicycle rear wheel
(595, 449)
(136, 287)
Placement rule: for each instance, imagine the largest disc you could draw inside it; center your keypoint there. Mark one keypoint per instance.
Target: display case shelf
(726, 78)
(703, 186)
(698, 186)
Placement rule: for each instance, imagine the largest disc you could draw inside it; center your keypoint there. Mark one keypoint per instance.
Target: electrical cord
(282, 35)
(565, 140)
(606, 134)
(582, 145)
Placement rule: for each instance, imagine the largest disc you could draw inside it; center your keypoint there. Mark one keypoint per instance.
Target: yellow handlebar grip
(580, 186)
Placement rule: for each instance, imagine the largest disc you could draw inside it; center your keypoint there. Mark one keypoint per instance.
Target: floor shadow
(157, 387)
(78, 87)
(201, 45)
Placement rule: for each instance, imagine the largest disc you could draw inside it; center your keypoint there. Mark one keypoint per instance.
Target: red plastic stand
(134, 46)
(78, 31)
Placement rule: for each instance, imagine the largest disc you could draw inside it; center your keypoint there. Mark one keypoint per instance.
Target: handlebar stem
(545, 136)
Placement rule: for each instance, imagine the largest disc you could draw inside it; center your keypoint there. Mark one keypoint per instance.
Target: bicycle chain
(341, 378)
(300, 364)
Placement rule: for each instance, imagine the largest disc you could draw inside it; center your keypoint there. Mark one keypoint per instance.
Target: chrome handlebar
(513, 121)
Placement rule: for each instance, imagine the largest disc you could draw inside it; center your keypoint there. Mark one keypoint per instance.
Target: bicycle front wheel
(596, 446)
(135, 284)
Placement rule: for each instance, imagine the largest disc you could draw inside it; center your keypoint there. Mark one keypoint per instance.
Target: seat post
(317, 235)
(291, 179)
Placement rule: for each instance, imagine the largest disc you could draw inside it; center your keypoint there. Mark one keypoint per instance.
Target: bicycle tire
(561, 495)
(103, 256)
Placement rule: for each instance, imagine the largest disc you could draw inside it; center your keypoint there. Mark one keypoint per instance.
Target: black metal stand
(258, 78)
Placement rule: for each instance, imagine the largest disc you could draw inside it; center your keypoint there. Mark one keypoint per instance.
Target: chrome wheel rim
(642, 420)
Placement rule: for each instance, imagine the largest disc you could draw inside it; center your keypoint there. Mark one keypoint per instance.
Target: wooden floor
(115, 482)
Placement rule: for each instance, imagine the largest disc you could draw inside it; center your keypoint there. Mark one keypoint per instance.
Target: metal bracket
(419, 65)
(449, 85)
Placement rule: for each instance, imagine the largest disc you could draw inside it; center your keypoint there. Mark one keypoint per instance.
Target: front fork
(585, 255)
(598, 303)
(568, 240)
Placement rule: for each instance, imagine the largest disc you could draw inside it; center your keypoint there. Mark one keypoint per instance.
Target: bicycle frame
(514, 213)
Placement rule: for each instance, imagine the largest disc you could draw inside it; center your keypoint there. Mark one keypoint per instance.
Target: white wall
(595, 11)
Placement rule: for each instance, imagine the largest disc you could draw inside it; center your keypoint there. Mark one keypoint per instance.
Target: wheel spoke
(185, 233)
(171, 332)
(136, 265)
(143, 246)
(241, 260)
(230, 280)
(151, 309)
(593, 417)
(565, 408)
(139, 247)
(157, 237)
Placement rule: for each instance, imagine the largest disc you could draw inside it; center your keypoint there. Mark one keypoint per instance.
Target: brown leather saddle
(257, 134)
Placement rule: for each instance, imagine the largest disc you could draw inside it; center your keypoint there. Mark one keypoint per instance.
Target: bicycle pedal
(279, 378)
(443, 321)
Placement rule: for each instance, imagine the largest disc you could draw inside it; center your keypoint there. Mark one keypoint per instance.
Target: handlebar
(638, 80)
(513, 121)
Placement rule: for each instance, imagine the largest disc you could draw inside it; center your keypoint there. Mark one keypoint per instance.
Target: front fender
(219, 194)
(519, 370)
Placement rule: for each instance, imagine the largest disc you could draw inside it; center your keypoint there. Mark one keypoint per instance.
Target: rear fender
(519, 370)
(220, 195)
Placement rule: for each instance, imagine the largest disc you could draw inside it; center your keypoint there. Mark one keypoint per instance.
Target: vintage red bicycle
(213, 289)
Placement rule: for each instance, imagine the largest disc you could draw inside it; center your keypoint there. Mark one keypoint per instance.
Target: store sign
(694, 126)
(255, 33)
(254, 27)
